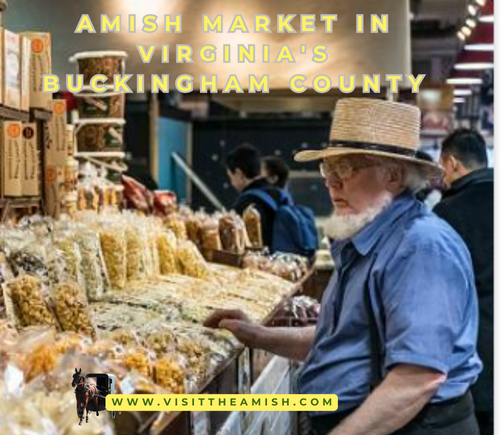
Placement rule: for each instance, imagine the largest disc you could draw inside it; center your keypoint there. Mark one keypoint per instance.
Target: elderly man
(396, 338)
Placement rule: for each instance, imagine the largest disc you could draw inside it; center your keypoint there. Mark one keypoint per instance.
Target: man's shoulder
(424, 232)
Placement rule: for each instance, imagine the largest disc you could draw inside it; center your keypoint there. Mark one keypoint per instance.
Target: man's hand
(238, 323)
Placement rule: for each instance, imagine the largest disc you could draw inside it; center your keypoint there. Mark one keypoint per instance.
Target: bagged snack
(114, 250)
(167, 252)
(139, 360)
(194, 224)
(72, 309)
(30, 306)
(5, 275)
(191, 261)
(137, 249)
(253, 224)
(72, 257)
(210, 235)
(161, 340)
(169, 375)
(124, 336)
(92, 263)
(177, 225)
(232, 233)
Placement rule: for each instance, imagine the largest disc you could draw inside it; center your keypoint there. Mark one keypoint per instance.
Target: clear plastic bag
(176, 224)
(114, 250)
(71, 308)
(93, 269)
(29, 302)
(191, 261)
(167, 251)
(210, 236)
(253, 224)
(137, 251)
(232, 233)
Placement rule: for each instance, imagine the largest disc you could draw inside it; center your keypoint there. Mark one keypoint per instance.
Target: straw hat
(374, 127)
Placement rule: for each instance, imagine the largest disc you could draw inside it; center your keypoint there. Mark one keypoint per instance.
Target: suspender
(375, 343)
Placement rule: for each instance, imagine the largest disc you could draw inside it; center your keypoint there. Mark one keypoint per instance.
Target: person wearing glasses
(396, 337)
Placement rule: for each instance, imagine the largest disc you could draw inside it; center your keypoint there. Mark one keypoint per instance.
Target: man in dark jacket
(467, 205)
(244, 171)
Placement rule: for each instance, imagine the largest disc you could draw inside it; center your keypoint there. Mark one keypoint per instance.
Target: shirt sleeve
(426, 298)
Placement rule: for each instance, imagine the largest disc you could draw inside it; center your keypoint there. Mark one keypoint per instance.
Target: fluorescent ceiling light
(481, 2)
(461, 36)
(462, 92)
(466, 31)
(473, 10)
(487, 19)
(477, 66)
(471, 23)
(480, 47)
(464, 81)
(459, 100)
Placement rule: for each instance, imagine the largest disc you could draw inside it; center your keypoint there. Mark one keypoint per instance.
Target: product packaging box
(30, 161)
(56, 135)
(12, 69)
(25, 73)
(12, 142)
(41, 63)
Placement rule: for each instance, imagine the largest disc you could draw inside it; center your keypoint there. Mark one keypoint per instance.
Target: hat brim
(432, 170)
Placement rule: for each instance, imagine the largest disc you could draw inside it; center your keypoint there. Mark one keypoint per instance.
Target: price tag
(200, 423)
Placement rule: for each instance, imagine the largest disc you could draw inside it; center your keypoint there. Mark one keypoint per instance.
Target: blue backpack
(294, 228)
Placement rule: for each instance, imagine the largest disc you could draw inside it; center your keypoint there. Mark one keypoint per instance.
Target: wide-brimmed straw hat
(374, 127)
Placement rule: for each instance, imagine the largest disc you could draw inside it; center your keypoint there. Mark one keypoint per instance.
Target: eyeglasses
(342, 170)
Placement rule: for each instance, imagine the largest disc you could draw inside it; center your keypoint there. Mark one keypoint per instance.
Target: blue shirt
(422, 287)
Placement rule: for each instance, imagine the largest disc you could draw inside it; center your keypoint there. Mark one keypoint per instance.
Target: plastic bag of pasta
(169, 375)
(93, 269)
(176, 224)
(167, 252)
(28, 303)
(210, 236)
(72, 257)
(253, 224)
(137, 251)
(114, 250)
(154, 229)
(71, 308)
(232, 233)
(191, 261)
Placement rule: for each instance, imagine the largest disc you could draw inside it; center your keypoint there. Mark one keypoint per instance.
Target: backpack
(294, 228)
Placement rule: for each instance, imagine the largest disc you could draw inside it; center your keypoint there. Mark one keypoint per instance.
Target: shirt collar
(366, 239)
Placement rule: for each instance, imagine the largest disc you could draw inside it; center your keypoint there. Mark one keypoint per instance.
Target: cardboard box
(25, 73)
(41, 63)
(30, 162)
(12, 141)
(12, 69)
(53, 190)
(56, 135)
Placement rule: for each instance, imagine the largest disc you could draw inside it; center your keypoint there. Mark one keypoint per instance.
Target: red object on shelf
(69, 98)
(488, 8)
(475, 57)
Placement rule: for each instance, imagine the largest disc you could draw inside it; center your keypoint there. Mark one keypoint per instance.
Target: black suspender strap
(375, 343)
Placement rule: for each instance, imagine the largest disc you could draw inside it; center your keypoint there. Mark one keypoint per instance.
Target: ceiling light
(462, 92)
(466, 31)
(480, 47)
(474, 66)
(464, 81)
(473, 10)
(461, 36)
(487, 19)
(481, 2)
(471, 23)
(459, 100)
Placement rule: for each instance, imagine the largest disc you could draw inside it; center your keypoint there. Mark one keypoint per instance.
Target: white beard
(346, 226)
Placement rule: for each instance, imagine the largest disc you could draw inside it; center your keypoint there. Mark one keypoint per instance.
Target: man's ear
(395, 179)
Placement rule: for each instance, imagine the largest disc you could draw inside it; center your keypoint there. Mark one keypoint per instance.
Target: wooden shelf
(20, 202)
(40, 115)
(9, 114)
